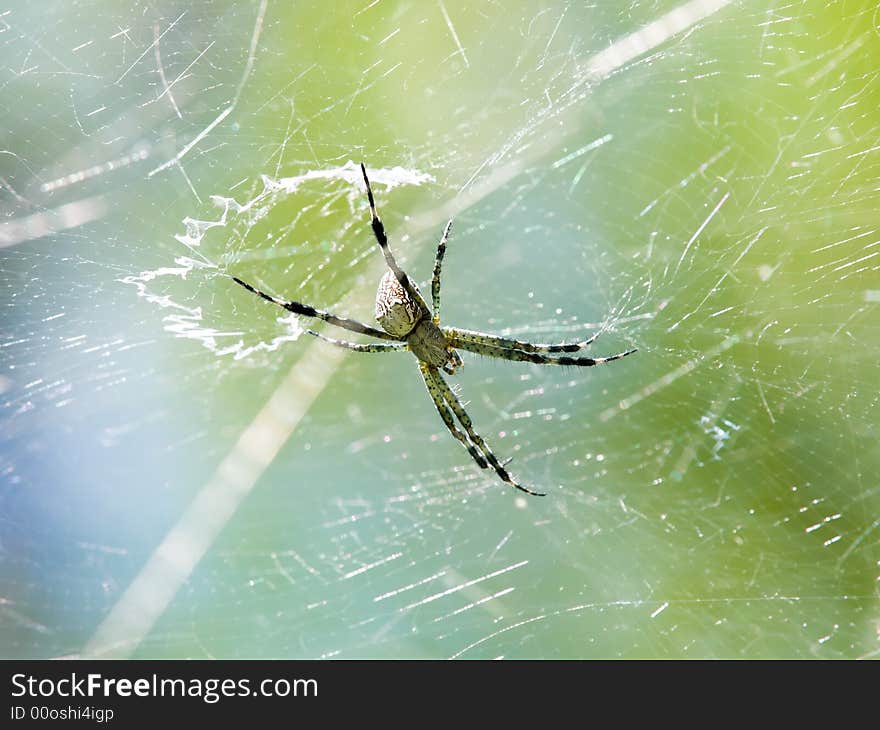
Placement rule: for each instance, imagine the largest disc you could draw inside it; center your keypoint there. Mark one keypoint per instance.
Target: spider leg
(504, 353)
(357, 347)
(465, 421)
(307, 311)
(379, 232)
(438, 265)
(481, 338)
(446, 415)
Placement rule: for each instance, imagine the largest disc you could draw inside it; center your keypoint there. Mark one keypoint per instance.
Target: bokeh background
(183, 475)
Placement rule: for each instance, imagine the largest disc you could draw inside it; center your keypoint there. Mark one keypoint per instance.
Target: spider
(410, 325)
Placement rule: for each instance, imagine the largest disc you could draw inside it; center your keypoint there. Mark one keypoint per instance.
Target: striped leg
(522, 356)
(379, 232)
(357, 347)
(446, 415)
(307, 311)
(438, 265)
(459, 337)
(465, 421)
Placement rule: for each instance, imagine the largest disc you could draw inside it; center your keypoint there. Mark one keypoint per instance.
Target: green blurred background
(699, 180)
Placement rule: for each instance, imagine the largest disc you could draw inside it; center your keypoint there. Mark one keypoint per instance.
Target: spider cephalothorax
(411, 325)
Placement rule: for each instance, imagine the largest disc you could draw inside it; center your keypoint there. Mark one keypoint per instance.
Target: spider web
(184, 475)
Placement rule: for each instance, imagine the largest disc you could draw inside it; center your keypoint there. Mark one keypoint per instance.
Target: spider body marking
(407, 321)
(402, 316)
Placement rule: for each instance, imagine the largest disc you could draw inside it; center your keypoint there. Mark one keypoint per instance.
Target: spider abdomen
(396, 310)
